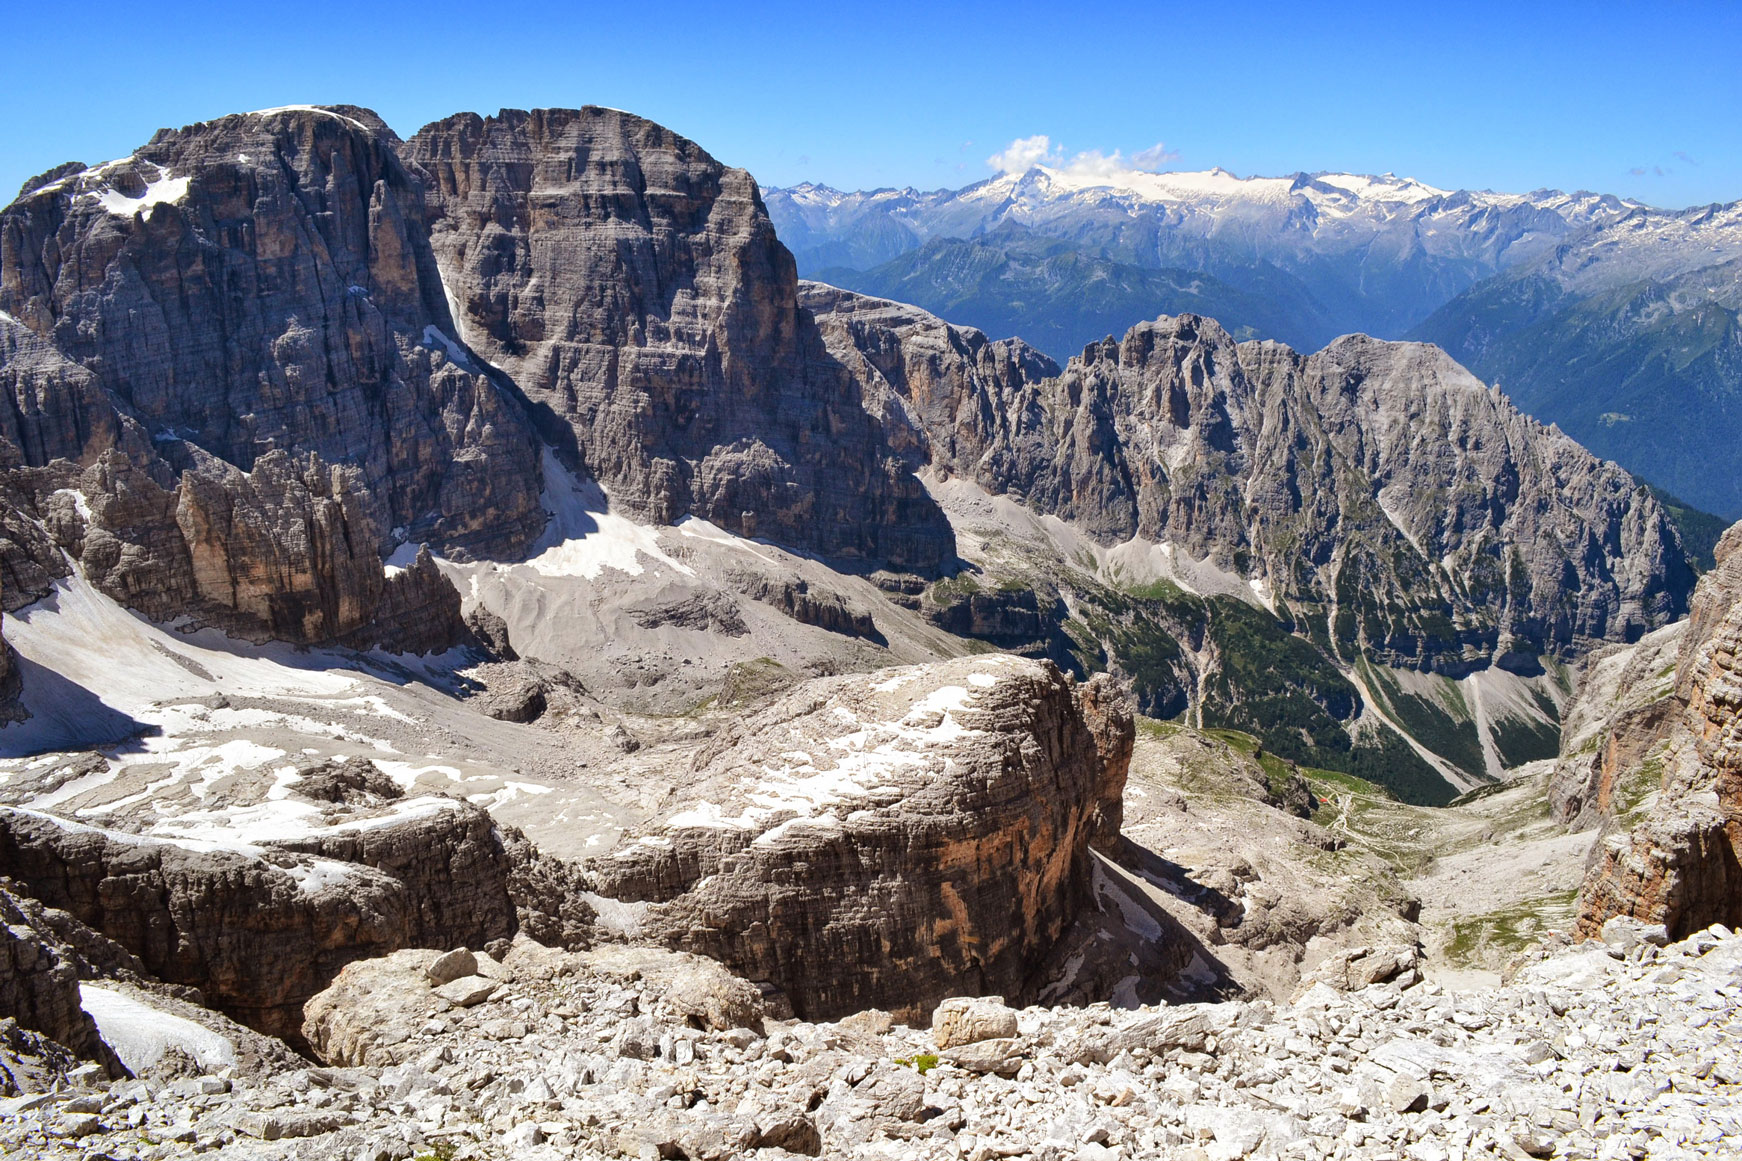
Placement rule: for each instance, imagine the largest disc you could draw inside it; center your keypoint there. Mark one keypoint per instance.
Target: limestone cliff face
(260, 931)
(1373, 490)
(886, 840)
(1680, 866)
(946, 394)
(634, 289)
(234, 347)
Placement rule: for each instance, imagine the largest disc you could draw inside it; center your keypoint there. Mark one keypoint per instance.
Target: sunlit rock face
(886, 839)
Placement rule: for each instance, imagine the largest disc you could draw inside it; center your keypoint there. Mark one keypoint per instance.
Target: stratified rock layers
(1679, 867)
(260, 929)
(39, 981)
(230, 353)
(634, 289)
(887, 840)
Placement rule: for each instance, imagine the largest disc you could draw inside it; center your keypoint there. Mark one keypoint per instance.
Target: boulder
(884, 840)
(968, 1019)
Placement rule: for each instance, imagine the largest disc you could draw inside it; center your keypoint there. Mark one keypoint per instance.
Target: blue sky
(1636, 99)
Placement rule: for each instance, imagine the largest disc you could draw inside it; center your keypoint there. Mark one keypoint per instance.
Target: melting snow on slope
(402, 558)
(244, 828)
(434, 338)
(859, 763)
(584, 538)
(140, 1034)
(163, 189)
(97, 656)
(698, 529)
(309, 109)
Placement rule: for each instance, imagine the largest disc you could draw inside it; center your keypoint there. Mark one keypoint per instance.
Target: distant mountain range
(1611, 318)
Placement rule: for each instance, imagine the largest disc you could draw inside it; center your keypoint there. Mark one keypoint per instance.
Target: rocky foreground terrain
(1624, 1048)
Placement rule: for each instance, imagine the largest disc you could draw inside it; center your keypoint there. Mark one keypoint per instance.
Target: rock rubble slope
(1604, 1051)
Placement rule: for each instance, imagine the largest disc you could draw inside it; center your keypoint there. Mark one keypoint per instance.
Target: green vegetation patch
(1521, 740)
(1503, 933)
(1451, 735)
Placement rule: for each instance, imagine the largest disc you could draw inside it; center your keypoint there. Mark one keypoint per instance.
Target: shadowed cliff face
(634, 289)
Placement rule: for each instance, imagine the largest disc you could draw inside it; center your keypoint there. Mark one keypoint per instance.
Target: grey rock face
(237, 341)
(634, 289)
(1374, 492)
(39, 981)
(885, 840)
(260, 930)
(264, 282)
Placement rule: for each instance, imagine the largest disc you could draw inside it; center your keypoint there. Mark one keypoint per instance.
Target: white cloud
(1024, 153)
(1154, 157)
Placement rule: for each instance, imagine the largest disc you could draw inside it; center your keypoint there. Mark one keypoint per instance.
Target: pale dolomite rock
(967, 1019)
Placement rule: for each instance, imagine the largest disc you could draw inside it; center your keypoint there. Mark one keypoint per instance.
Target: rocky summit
(495, 666)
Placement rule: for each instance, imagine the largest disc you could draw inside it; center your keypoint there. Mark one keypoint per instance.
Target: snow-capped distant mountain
(1377, 254)
(1628, 337)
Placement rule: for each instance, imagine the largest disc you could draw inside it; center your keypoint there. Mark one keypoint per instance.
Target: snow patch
(80, 505)
(616, 917)
(320, 875)
(309, 109)
(698, 529)
(583, 538)
(165, 189)
(141, 1034)
(401, 558)
(434, 338)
